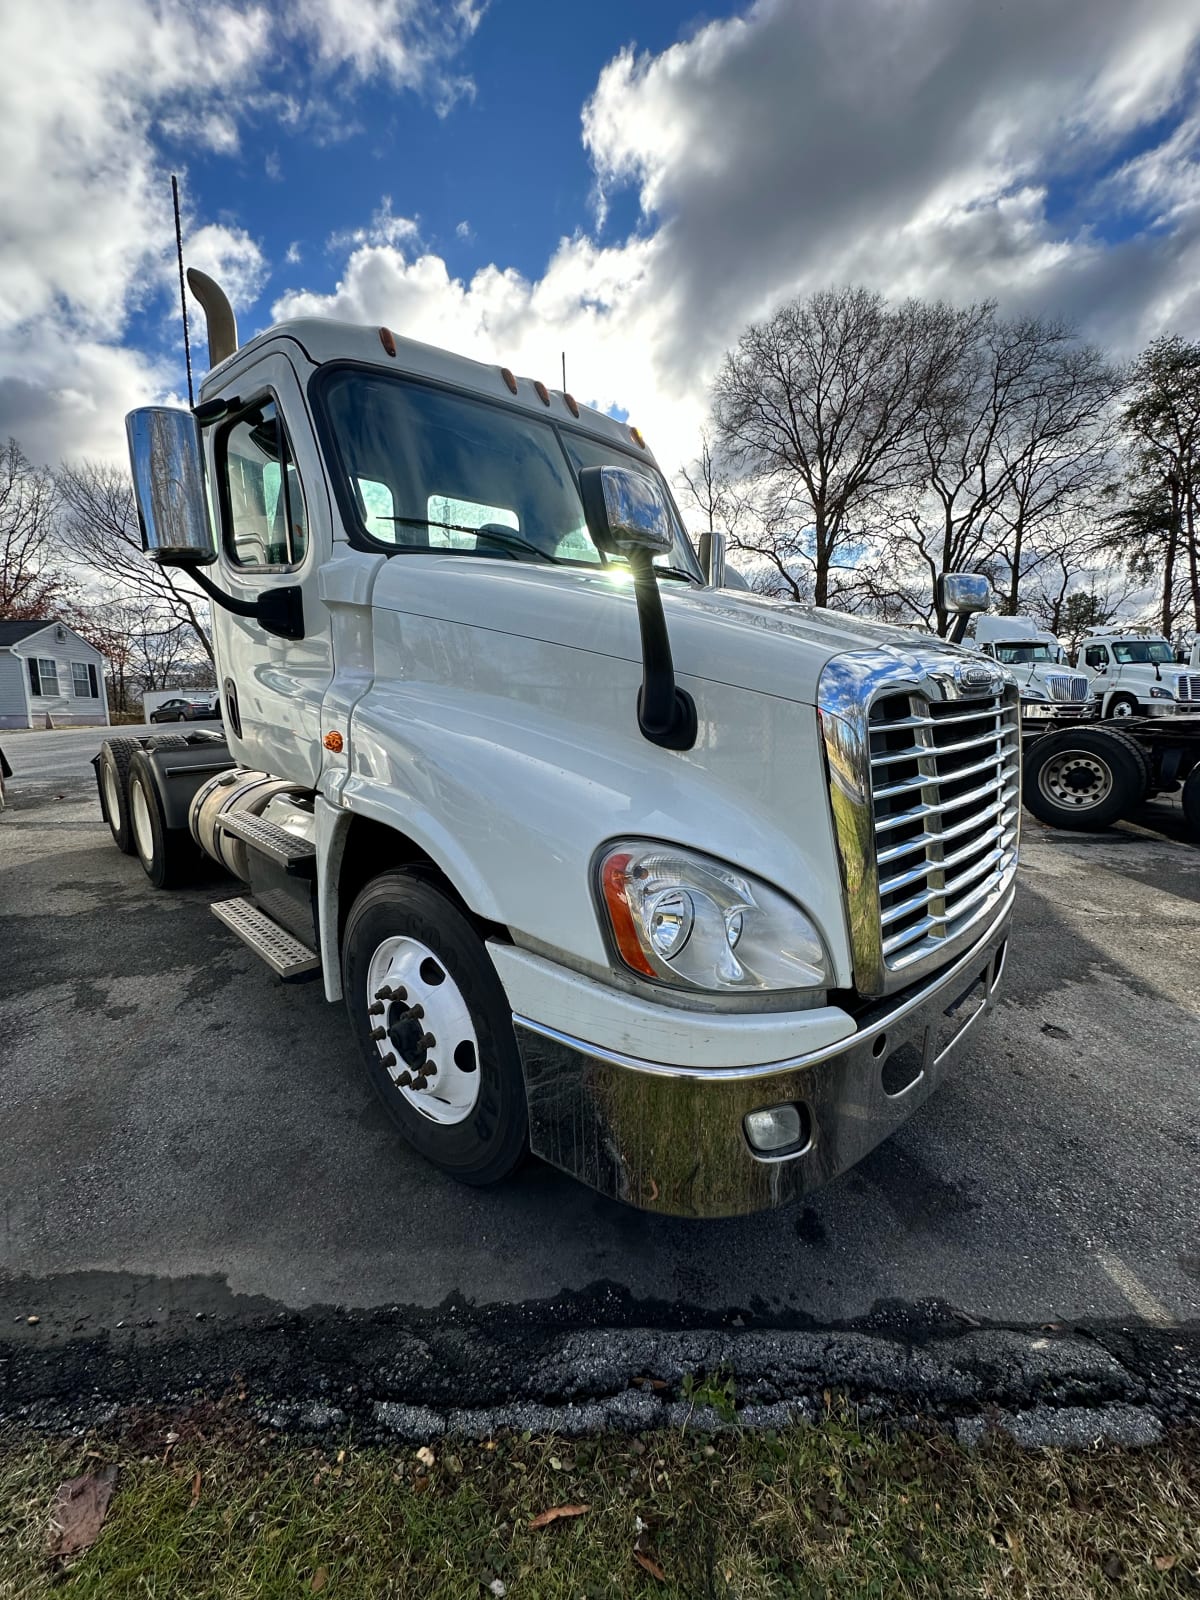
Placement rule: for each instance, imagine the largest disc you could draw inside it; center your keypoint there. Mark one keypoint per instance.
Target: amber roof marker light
(388, 340)
(541, 391)
(509, 380)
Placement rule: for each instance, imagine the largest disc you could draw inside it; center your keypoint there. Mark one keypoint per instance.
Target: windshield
(1141, 652)
(432, 469)
(1014, 655)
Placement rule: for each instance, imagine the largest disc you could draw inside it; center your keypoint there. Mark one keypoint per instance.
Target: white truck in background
(692, 893)
(1136, 675)
(1051, 690)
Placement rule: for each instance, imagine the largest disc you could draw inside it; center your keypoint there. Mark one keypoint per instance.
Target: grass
(821, 1511)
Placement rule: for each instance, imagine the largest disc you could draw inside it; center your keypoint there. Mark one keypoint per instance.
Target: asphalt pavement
(186, 1137)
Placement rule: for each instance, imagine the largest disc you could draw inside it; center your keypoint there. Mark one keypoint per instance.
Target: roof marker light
(387, 340)
(572, 403)
(636, 435)
(541, 391)
(509, 379)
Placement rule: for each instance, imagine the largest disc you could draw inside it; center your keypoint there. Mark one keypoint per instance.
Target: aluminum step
(283, 953)
(274, 842)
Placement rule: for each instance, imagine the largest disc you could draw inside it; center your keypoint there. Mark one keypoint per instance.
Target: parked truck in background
(691, 893)
(1136, 675)
(1051, 691)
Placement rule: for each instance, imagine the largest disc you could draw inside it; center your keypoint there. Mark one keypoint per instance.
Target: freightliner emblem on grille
(975, 678)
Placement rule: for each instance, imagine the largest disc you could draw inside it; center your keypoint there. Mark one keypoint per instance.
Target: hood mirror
(628, 511)
(960, 594)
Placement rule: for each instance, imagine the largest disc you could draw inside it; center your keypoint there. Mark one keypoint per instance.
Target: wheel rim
(112, 795)
(1121, 708)
(410, 996)
(1076, 779)
(143, 833)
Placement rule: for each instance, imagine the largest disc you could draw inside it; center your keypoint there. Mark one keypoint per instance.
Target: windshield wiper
(489, 533)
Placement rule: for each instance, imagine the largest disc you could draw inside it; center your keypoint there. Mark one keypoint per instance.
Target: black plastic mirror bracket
(958, 628)
(666, 713)
(278, 611)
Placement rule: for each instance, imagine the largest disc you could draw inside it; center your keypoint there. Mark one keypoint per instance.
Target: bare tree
(1016, 448)
(817, 412)
(33, 583)
(99, 527)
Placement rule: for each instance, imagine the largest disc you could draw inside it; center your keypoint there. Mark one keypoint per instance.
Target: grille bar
(945, 787)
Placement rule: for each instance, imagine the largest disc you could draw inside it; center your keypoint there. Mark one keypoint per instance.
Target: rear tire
(470, 1117)
(112, 779)
(1191, 800)
(1084, 778)
(168, 855)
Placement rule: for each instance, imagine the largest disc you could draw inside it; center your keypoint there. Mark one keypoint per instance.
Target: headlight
(1032, 694)
(686, 920)
(1160, 694)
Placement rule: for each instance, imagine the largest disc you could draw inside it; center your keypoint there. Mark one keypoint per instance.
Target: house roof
(14, 632)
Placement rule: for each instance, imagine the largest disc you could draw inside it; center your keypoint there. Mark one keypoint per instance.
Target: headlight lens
(684, 919)
(1161, 694)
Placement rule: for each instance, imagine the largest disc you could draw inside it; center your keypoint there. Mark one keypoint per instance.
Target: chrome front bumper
(672, 1139)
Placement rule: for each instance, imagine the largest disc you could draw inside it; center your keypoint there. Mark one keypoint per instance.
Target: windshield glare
(1142, 652)
(431, 469)
(1015, 654)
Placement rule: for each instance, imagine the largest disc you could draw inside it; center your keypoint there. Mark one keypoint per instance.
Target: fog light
(774, 1128)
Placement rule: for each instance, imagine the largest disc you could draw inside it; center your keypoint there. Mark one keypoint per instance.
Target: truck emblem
(977, 679)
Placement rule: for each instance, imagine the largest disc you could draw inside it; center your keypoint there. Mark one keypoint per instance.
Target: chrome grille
(1189, 687)
(1067, 686)
(945, 797)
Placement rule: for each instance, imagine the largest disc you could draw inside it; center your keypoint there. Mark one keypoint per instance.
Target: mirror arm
(279, 611)
(666, 713)
(958, 629)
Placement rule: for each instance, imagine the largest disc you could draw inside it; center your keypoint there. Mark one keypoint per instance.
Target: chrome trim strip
(849, 685)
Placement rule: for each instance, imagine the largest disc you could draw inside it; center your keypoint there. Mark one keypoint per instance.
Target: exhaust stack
(218, 314)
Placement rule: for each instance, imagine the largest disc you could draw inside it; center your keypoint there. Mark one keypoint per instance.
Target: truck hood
(729, 636)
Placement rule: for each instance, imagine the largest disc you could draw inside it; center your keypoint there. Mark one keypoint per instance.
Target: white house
(46, 669)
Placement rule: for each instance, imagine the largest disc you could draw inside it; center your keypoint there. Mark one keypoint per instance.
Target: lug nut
(388, 993)
(377, 1009)
(416, 1012)
(426, 1042)
(404, 1079)
(429, 1070)
(421, 1082)
(379, 1033)
(389, 1060)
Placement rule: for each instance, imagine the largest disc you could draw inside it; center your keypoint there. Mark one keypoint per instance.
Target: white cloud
(294, 254)
(86, 89)
(463, 231)
(384, 228)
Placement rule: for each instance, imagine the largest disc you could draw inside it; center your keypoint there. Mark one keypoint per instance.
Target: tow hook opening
(901, 1069)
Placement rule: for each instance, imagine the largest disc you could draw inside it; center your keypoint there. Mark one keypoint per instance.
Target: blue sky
(1044, 153)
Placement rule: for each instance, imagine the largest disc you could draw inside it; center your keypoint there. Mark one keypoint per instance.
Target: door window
(1096, 657)
(266, 524)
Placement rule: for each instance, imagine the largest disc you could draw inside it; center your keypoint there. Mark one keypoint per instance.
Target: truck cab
(1137, 675)
(693, 893)
(1051, 690)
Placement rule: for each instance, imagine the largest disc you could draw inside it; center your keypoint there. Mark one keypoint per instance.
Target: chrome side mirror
(712, 558)
(961, 593)
(168, 483)
(625, 510)
(958, 595)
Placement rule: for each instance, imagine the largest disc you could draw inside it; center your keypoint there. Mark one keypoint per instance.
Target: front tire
(1122, 705)
(1084, 778)
(169, 857)
(416, 971)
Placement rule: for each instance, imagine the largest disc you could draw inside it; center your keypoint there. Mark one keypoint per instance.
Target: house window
(43, 675)
(83, 681)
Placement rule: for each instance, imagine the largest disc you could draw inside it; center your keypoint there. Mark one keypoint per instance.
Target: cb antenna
(187, 343)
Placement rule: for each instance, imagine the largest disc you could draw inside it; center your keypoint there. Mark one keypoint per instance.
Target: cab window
(1096, 657)
(266, 524)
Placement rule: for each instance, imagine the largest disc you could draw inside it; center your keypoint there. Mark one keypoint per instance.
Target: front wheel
(434, 1028)
(1084, 778)
(1122, 705)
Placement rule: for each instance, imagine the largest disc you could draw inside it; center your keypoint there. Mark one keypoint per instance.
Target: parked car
(183, 710)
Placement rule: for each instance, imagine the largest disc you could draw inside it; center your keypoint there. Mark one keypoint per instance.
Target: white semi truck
(1051, 690)
(691, 893)
(1136, 675)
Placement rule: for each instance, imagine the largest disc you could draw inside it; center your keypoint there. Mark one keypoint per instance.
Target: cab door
(274, 529)
(1096, 664)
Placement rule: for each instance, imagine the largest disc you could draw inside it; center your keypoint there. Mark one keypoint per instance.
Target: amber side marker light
(334, 741)
(387, 340)
(612, 882)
